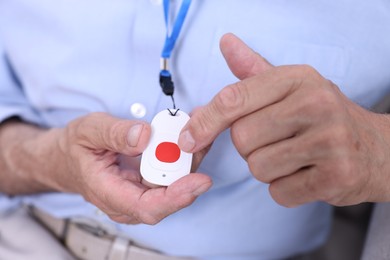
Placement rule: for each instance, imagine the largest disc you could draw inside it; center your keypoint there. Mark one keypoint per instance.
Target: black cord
(173, 102)
(173, 113)
(167, 86)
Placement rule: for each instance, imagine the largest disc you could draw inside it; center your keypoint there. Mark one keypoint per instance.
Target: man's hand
(297, 132)
(97, 156)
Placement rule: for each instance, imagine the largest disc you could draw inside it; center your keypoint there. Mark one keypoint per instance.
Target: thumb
(101, 131)
(209, 121)
(242, 60)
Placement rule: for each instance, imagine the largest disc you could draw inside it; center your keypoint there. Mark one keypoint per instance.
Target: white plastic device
(162, 161)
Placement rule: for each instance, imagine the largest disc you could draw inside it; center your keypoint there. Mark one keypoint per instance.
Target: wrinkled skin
(296, 131)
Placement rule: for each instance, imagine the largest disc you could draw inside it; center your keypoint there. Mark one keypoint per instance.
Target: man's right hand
(91, 157)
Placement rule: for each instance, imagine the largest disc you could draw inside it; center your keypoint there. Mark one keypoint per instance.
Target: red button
(167, 152)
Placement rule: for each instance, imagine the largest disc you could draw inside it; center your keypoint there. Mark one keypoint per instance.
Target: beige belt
(89, 242)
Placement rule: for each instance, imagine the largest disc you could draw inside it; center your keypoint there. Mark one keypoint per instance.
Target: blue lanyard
(171, 40)
(166, 82)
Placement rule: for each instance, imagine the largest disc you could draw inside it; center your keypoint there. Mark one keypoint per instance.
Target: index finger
(237, 100)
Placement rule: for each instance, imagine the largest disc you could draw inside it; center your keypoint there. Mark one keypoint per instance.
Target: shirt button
(138, 110)
(156, 2)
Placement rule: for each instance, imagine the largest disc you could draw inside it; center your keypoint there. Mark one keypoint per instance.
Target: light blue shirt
(72, 57)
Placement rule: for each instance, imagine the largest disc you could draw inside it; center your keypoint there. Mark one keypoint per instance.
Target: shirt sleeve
(13, 101)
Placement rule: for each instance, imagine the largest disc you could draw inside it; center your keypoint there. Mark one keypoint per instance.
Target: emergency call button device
(162, 161)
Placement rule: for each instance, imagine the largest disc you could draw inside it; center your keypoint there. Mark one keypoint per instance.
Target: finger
(304, 186)
(194, 110)
(156, 204)
(114, 214)
(279, 121)
(281, 159)
(243, 62)
(317, 145)
(266, 126)
(241, 59)
(262, 128)
(123, 219)
(327, 182)
(295, 189)
(150, 206)
(145, 205)
(197, 158)
(238, 100)
(102, 131)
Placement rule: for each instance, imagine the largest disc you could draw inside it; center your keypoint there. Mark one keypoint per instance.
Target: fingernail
(202, 189)
(134, 134)
(186, 141)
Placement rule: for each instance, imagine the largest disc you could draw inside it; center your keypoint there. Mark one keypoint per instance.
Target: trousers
(31, 234)
(23, 238)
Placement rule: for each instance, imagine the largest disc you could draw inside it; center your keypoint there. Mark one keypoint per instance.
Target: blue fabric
(74, 57)
(8, 203)
(170, 40)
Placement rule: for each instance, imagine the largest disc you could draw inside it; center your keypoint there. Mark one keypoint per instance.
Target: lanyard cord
(166, 82)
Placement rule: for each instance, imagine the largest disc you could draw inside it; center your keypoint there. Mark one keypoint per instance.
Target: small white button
(156, 2)
(138, 110)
